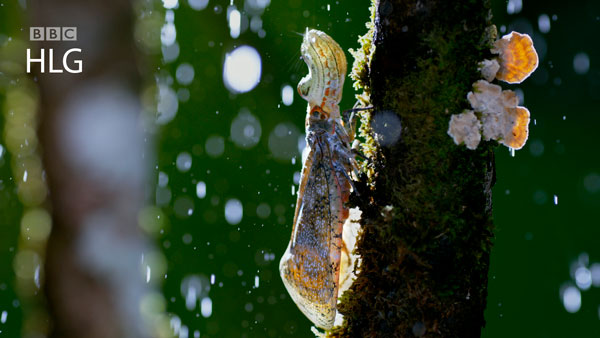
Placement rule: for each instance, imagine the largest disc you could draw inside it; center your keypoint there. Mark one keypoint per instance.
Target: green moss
(427, 226)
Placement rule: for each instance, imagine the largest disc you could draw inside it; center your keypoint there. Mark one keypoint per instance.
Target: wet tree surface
(426, 202)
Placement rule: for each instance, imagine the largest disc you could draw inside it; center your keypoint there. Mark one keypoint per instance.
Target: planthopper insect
(312, 267)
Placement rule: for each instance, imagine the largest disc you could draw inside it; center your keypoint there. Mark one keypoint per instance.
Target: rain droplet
(198, 4)
(255, 23)
(183, 94)
(595, 273)
(540, 197)
(163, 196)
(544, 23)
(242, 69)
(169, 4)
(215, 146)
(235, 19)
(163, 179)
(287, 95)
(233, 211)
(206, 307)
(168, 34)
(583, 278)
(283, 141)
(245, 130)
(536, 148)
(581, 63)
(201, 189)
(514, 6)
(170, 53)
(184, 207)
(167, 104)
(263, 210)
(571, 298)
(184, 162)
(592, 183)
(387, 127)
(185, 73)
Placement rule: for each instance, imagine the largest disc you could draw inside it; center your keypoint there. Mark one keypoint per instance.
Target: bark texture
(426, 202)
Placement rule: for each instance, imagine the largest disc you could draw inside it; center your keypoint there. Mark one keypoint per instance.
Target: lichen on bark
(426, 202)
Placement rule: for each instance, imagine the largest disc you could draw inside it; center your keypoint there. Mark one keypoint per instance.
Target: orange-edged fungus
(465, 128)
(518, 124)
(517, 57)
(502, 120)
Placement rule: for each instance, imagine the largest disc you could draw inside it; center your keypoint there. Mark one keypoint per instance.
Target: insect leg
(349, 118)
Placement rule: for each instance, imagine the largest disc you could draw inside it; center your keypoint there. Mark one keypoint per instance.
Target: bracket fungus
(465, 128)
(496, 113)
(517, 57)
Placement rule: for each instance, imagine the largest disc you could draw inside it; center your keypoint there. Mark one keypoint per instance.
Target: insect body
(310, 267)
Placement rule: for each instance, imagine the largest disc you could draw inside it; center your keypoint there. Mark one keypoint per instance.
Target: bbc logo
(53, 33)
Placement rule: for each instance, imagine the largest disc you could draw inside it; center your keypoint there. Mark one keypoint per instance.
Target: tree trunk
(94, 152)
(426, 202)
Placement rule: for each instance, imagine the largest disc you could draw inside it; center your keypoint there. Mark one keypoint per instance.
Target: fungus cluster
(495, 113)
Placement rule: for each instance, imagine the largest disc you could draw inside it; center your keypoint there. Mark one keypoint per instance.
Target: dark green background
(536, 241)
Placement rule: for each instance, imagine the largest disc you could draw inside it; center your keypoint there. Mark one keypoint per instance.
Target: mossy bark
(426, 202)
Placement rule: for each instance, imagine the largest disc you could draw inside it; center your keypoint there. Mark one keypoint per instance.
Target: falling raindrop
(198, 4)
(163, 179)
(283, 141)
(233, 211)
(245, 129)
(170, 4)
(235, 19)
(583, 278)
(287, 95)
(263, 210)
(544, 23)
(595, 273)
(167, 104)
(184, 162)
(168, 34)
(215, 146)
(206, 307)
(514, 6)
(387, 127)
(201, 189)
(170, 53)
(571, 297)
(185, 73)
(581, 63)
(536, 147)
(242, 69)
(183, 207)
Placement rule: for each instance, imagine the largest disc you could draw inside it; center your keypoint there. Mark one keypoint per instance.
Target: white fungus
(465, 128)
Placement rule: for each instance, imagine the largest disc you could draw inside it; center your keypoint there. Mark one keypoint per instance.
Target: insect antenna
(295, 63)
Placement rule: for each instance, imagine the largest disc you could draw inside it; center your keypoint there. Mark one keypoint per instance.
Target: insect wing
(310, 266)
